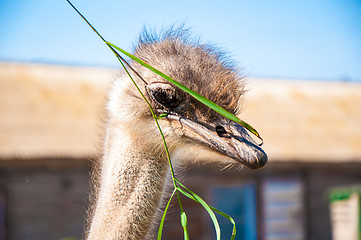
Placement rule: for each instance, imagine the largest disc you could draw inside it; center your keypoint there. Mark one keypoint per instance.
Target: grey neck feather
(131, 188)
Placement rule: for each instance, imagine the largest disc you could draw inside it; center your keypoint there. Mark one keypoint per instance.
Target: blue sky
(309, 39)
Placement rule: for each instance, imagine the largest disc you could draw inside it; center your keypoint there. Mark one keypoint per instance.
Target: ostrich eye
(166, 98)
(164, 94)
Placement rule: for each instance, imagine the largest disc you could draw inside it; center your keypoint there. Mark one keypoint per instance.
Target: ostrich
(133, 170)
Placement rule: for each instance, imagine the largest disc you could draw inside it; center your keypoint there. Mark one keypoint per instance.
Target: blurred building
(51, 124)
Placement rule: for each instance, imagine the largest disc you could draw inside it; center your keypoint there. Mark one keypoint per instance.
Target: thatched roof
(307, 120)
(50, 111)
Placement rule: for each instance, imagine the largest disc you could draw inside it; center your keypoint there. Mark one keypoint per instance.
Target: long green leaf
(198, 199)
(194, 94)
(160, 229)
(194, 196)
(227, 217)
(188, 193)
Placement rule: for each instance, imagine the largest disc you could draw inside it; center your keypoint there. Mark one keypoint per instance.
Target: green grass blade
(188, 193)
(194, 94)
(163, 115)
(227, 217)
(160, 229)
(198, 199)
(194, 196)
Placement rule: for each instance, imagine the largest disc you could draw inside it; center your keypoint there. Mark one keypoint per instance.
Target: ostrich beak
(228, 138)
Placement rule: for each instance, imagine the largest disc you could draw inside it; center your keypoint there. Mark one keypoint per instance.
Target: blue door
(240, 203)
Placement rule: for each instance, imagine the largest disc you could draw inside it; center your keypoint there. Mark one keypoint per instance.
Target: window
(282, 209)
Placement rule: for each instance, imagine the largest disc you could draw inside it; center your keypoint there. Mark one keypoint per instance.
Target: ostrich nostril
(221, 131)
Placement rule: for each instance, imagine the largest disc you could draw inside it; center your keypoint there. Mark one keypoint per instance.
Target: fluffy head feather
(201, 67)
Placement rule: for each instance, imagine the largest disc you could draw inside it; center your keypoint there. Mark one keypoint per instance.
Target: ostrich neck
(131, 187)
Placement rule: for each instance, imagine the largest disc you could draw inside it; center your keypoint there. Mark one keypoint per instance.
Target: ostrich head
(193, 131)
